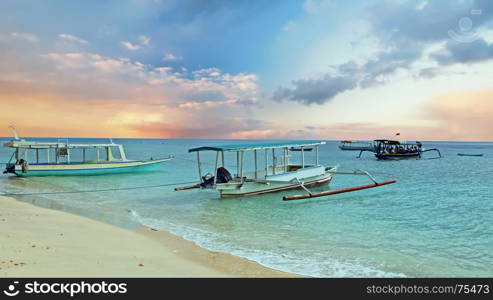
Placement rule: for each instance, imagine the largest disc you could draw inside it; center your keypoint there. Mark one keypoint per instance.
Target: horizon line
(231, 139)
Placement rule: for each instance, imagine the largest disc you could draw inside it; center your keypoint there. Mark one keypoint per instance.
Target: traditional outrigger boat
(396, 150)
(357, 146)
(279, 175)
(58, 159)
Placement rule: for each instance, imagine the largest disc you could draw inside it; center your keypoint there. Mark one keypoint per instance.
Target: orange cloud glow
(55, 116)
(458, 116)
(464, 116)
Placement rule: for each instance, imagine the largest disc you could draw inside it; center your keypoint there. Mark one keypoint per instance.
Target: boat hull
(89, 169)
(258, 188)
(397, 156)
(357, 148)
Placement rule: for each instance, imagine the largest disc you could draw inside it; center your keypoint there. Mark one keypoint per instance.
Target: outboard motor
(10, 168)
(223, 176)
(207, 181)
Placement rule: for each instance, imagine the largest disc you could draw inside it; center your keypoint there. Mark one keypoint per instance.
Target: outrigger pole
(340, 191)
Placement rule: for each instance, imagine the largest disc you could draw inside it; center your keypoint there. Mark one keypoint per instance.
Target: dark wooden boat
(469, 154)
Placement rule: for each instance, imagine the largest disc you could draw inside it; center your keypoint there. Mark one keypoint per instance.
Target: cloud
(72, 38)
(404, 31)
(130, 46)
(196, 90)
(464, 116)
(69, 60)
(91, 62)
(309, 91)
(133, 97)
(212, 88)
(171, 57)
(457, 52)
(23, 36)
(457, 116)
(144, 40)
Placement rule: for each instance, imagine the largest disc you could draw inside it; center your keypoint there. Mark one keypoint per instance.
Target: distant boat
(357, 146)
(396, 150)
(468, 154)
(58, 159)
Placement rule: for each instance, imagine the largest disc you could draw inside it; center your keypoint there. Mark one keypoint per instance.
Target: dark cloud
(429, 72)
(316, 90)
(376, 71)
(457, 52)
(404, 29)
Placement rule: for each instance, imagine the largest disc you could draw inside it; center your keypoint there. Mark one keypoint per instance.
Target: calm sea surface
(436, 221)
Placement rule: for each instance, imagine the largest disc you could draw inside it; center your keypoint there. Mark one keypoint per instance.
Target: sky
(278, 69)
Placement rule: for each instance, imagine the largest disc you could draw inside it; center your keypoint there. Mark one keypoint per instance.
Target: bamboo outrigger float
(279, 175)
(58, 159)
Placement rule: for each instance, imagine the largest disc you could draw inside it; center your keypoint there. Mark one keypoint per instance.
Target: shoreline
(42, 242)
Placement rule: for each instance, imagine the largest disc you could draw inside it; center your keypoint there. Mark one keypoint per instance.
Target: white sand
(39, 242)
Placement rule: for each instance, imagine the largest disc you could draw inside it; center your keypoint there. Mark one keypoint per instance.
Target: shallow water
(435, 221)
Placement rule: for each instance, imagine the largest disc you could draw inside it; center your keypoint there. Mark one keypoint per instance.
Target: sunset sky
(313, 69)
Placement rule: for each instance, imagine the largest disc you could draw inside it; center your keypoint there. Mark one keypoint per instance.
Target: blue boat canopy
(241, 147)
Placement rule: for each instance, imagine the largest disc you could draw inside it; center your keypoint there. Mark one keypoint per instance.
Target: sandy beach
(39, 242)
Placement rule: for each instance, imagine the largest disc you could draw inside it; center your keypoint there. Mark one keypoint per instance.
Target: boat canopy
(62, 149)
(392, 142)
(45, 145)
(243, 147)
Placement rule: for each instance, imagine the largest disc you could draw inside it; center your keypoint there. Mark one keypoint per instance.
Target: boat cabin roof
(46, 145)
(392, 142)
(242, 147)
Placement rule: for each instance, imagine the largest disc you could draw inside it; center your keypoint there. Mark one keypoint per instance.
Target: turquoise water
(436, 221)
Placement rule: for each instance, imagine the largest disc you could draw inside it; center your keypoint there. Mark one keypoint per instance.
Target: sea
(436, 221)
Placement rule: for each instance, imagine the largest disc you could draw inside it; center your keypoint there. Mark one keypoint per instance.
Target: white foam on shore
(282, 261)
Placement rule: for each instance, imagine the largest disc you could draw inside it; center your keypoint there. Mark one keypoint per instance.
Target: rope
(99, 190)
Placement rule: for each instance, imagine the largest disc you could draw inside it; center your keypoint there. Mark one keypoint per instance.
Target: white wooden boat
(275, 174)
(38, 158)
(356, 146)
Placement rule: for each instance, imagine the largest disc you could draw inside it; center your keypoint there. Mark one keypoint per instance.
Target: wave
(283, 260)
